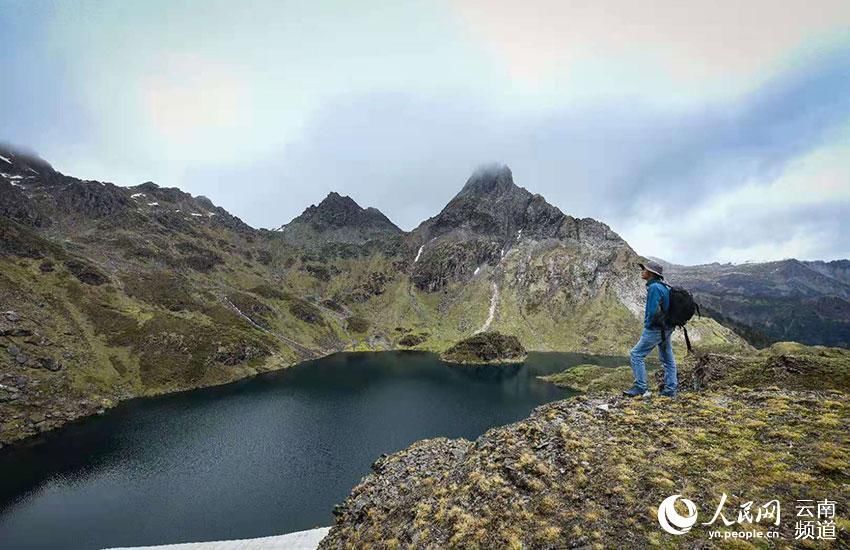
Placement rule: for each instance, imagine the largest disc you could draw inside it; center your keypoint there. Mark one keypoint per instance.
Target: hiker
(656, 333)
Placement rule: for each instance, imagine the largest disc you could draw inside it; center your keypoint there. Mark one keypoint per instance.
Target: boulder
(49, 363)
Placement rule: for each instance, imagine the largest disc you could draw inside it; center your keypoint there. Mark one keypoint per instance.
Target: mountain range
(787, 300)
(114, 292)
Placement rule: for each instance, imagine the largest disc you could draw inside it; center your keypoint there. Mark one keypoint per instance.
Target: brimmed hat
(652, 267)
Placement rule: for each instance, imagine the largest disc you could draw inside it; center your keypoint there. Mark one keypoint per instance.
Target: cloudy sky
(700, 131)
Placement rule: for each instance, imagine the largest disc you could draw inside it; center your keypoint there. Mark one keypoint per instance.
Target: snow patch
(416, 259)
(196, 214)
(11, 176)
(477, 270)
(153, 204)
(300, 540)
(137, 195)
(4, 158)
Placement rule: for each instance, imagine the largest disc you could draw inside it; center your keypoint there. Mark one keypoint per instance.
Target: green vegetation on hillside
(786, 365)
(117, 292)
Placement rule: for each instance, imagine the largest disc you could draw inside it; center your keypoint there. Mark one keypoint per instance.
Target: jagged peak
(340, 211)
(334, 199)
(489, 179)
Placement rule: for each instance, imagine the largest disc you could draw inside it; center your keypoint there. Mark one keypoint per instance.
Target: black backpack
(681, 310)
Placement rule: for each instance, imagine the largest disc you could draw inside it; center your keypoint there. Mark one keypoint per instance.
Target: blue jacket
(656, 293)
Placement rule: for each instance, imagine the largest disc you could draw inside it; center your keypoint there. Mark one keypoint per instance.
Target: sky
(699, 131)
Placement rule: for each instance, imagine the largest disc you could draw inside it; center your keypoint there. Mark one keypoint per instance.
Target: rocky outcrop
(785, 364)
(486, 348)
(452, 260)
(92, 199)
(15, 205)
(586, 472)
(836, 269)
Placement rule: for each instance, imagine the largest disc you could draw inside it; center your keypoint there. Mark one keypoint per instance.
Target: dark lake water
(259, 457)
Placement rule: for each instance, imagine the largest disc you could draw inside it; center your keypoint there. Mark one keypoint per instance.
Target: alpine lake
(263, 456)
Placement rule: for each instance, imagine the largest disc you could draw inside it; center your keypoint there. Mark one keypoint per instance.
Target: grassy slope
(575, 475)
(164, 321)
(786, 364)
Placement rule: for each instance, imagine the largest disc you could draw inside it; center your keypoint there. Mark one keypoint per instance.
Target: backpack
(681, 310)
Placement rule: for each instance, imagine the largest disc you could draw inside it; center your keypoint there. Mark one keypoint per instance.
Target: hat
(653, 267)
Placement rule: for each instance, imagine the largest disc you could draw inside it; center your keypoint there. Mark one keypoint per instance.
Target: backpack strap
(687, 340)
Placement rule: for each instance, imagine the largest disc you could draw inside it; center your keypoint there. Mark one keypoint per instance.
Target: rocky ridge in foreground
(591, 471)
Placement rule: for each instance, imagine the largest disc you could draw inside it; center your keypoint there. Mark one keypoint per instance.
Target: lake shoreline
(222, 462)
(106, 404)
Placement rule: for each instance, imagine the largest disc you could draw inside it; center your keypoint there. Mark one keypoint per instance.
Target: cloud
(803, 213)
(646, 120)
(727, 40)
(643, 169)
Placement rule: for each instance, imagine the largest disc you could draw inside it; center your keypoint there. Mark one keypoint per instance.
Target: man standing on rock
(655, 333)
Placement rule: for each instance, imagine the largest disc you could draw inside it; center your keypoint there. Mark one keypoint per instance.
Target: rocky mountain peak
(340, 211)
(338, 219)
(490, 204)
(491, 179)
(488, 218)
(14, 161)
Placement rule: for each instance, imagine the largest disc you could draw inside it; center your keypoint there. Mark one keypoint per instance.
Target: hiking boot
(635, 391)
(668, 393)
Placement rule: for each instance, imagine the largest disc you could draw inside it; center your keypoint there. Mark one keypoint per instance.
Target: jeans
(648, 340)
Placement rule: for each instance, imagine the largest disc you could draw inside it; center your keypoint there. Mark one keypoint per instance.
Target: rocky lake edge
(591, 469)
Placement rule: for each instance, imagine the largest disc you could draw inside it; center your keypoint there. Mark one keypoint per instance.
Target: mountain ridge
(117, 292)
(788, 299)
